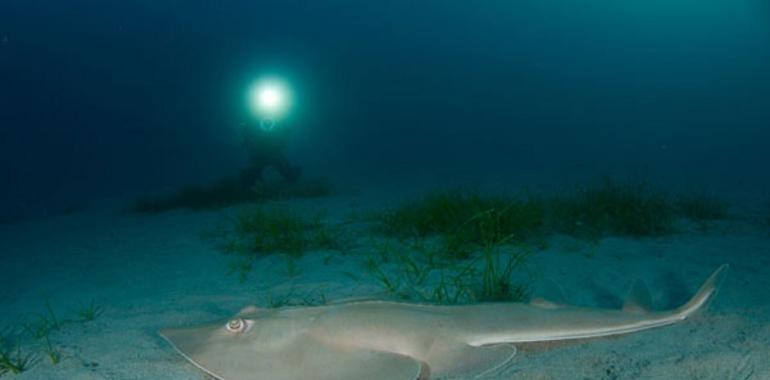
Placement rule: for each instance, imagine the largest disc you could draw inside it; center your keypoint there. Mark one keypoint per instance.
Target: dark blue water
(103, 99)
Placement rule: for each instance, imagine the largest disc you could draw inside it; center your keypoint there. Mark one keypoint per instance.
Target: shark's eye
(237, 325)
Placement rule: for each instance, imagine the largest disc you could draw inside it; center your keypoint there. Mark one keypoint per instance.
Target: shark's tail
(704, 294)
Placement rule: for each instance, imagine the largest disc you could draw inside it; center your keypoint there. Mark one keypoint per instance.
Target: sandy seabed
(154, 271)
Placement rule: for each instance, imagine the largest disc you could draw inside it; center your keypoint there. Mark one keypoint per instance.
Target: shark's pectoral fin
(449, 359)
(334, 363)
(309, 358)
(302, 357)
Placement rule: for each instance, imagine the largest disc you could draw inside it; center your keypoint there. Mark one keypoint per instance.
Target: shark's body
(382, 340)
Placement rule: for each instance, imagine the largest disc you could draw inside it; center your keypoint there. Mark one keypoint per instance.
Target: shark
(385, 340)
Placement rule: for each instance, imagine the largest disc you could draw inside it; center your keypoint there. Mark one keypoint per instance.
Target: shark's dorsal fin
(638, 299)
(544, 303)
(549, 295)
(251, 309)
(705, 293)
(356, 299)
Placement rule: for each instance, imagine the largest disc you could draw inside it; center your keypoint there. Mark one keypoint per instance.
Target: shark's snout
(201, 346)
(184, 340)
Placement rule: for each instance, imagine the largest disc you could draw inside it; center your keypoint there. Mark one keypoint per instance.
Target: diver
(265, 144)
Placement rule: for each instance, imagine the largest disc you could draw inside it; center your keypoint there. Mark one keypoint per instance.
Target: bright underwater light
(269, 98)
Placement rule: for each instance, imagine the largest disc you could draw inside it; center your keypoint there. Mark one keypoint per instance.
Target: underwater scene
(384, 190)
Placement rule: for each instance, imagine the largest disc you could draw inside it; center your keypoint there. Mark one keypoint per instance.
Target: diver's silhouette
(265, 147)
